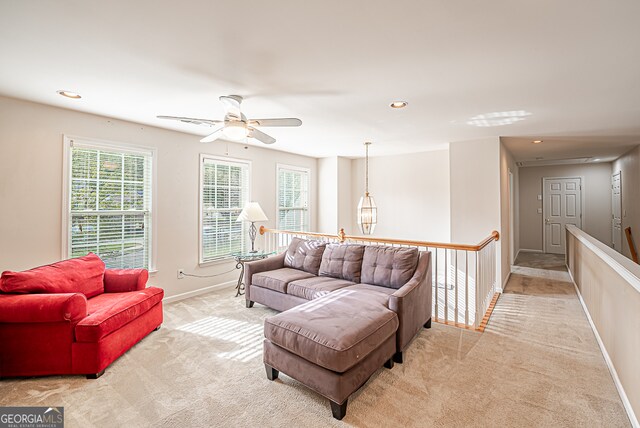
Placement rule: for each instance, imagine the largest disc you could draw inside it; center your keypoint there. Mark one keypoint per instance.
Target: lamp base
(252, 235)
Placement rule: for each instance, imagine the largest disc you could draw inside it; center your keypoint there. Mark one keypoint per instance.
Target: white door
(562, 206)
(616, 222)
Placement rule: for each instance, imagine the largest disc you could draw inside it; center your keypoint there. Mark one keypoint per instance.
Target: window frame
(245, 237)
(281, 166)
(67, 181)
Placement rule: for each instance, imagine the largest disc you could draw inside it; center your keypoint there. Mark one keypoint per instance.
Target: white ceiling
(574, 65)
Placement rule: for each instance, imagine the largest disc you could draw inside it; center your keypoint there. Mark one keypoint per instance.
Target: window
(224, 190)
(293, 198)
(108, 203)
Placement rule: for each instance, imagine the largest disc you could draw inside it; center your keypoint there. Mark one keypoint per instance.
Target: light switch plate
(539, 197)
(539, 210)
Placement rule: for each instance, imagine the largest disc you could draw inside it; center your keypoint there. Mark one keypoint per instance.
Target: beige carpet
(537, 364)
(541, 260)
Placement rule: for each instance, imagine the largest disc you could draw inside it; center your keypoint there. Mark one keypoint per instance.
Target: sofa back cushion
(388, 266)
(342, 261)
(81, 275)
(304, 255)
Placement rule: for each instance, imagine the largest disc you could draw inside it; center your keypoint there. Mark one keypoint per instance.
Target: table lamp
(252, 213)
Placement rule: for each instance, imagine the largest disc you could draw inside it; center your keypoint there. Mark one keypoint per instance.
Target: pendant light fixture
(367, 210)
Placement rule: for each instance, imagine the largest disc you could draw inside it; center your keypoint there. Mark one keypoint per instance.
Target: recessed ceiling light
(398, 104)
(69, 94)
(498, 118)
(596, 159)
(537, 141)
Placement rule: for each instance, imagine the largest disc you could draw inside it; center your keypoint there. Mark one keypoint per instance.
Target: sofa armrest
(251, 268)
(412, 302)
(34, 308)
(122, 280)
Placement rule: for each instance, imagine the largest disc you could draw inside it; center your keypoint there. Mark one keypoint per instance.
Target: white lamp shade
(252, 212)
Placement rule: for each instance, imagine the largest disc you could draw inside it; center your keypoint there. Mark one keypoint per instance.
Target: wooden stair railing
(632, 246)
(465, 277)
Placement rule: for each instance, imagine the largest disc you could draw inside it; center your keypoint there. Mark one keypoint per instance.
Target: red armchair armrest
(54, 307)
(121, 280)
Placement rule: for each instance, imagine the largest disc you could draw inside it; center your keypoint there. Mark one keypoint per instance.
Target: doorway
(616, 217)
(512, 228)
(561, 205)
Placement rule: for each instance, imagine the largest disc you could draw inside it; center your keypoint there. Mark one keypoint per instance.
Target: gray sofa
(345, 311)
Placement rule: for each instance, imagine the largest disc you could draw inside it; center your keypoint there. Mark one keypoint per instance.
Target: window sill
(224, 260)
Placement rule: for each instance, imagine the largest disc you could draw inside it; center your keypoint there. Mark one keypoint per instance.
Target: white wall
(596, 185)
(31, 187)
(412, 194)
(610, 293)
(475, 189)
(507, 165)
(629, 165)
(346, 205)
(334, 187)
(328, 195)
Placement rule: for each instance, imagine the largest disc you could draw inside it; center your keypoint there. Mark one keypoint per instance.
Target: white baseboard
(528, 250)
(614, 374)
(182, 296)
(504, 283)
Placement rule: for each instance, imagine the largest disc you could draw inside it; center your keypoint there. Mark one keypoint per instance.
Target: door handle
(546, 220)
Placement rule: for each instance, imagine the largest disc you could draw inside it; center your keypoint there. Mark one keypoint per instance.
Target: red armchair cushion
(81, 275)
(110, 311)
(119, 280)
(42, 308)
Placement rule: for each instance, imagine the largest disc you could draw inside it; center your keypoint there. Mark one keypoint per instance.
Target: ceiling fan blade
(192, 120)
(289, 121)
(260, 136)
(214, 135)
(231, 104)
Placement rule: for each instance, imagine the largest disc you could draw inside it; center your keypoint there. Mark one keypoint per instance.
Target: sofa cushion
(318, 286)
(388, 266)
(335, 331)
(80, 275)
(372, 293)
(304, 255)
(110, 311)
(342, 261)
(278, 279)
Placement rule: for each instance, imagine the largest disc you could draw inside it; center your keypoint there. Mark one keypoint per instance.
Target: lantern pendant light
(367, 210)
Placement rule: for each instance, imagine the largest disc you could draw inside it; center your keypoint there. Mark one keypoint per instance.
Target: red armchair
(73, 317)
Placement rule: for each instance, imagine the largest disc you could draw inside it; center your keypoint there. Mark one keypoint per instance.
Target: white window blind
(293, 198)
(224, 190)
(110, 204)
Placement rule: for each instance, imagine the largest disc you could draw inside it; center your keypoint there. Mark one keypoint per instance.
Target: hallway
(538, 260)
(548, 348)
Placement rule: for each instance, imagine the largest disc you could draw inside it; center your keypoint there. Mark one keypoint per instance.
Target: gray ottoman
(332, 344)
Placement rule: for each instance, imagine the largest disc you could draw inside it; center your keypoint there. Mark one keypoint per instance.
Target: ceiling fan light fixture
(235, 130)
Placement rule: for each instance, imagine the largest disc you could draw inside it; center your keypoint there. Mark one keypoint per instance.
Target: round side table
(241, 259)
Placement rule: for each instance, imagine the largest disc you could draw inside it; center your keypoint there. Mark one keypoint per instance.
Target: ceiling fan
(235, 125)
